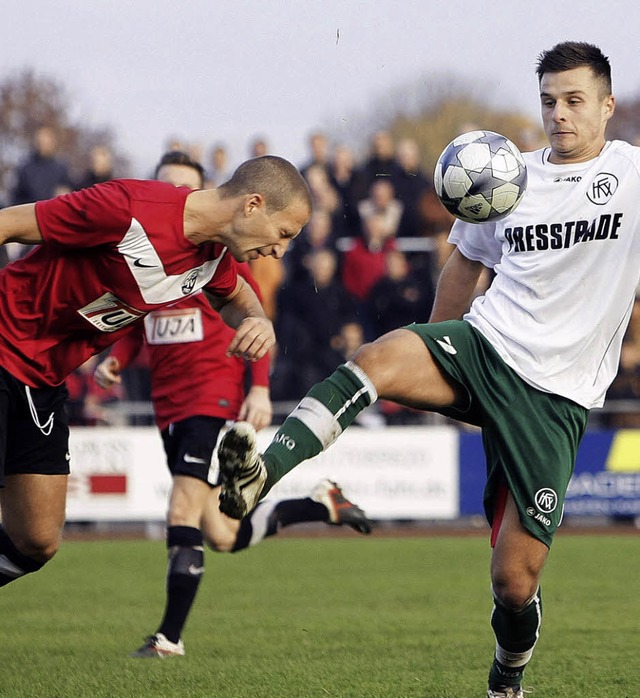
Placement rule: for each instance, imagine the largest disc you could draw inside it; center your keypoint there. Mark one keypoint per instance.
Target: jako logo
(285, 440)
(546, 500)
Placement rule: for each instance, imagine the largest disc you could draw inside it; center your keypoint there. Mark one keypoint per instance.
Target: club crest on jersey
(190, 282)
(109, 313)
(602, 188)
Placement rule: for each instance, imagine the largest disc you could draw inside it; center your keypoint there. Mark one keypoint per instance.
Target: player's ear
(609, 106)
(252, 203)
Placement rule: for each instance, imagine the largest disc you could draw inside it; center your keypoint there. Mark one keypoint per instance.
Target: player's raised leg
(397, 366)
(33, 511)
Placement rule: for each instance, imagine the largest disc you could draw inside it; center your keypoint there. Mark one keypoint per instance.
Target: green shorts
(530, 438)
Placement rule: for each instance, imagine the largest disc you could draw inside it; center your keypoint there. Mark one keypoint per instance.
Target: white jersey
(567, 265)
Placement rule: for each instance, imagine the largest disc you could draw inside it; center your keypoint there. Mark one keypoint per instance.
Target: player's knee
(220, 541)
(514, 589)
(39, 547)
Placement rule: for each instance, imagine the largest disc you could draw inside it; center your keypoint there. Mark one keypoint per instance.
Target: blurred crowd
(367, 262)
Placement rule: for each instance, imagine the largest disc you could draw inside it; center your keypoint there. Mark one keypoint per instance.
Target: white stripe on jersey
(567, 265)
(146, 266)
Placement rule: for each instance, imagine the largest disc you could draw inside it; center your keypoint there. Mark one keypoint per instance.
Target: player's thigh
(219, 530)
(187, 501)
(33, 511)
(402, 369)
(517, 560)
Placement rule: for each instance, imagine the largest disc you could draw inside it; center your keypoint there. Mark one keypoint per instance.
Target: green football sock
(321, 416)
(516, 635)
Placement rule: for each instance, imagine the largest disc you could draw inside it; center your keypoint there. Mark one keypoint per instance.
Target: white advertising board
(120, 474)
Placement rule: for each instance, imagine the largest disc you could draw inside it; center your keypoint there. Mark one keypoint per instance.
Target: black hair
(178, 157)
(575, 54)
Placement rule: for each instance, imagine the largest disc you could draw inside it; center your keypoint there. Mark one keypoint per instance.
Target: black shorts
(190, 447)
(34, 429)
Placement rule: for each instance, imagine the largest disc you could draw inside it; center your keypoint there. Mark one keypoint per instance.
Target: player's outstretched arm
(456, 284)
(243, 312)
(256, 408)
(19, 224)
(107, 373)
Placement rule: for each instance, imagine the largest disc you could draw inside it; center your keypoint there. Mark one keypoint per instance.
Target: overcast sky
(228, 70)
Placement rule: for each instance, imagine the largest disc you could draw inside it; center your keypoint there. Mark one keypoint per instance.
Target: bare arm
(243, 312)
(19, 224)
(456, 284)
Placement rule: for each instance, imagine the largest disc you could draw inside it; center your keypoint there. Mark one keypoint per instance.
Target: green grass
(343, 617)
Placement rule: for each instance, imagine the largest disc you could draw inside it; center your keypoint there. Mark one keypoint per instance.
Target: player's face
(575, 111)
(180, 176)
(258, 234)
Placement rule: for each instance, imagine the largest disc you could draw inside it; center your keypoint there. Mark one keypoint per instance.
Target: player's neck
(206, 215)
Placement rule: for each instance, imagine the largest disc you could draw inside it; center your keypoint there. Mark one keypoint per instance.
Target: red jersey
(111, 254)
(190, 373)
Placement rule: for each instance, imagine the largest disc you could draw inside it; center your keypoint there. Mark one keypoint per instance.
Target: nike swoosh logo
(193, 459)
(195, 570)
(139, 263)
(446, 345)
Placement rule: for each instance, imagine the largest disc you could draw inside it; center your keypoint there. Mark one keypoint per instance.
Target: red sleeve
(127, 348)
(260, 371)
(225, 279)
(87, 218)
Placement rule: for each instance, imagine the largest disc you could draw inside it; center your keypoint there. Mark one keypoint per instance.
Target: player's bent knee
(39, 549)
(220, 541)
(514, 591)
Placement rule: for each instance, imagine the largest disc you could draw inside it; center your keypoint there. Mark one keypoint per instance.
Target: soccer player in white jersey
(526, 363)
(106, 256)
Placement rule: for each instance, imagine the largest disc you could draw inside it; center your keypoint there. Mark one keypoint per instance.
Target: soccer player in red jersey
(195, 389)
(105, 257)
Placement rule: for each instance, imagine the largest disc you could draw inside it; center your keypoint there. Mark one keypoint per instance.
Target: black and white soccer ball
(480, 176)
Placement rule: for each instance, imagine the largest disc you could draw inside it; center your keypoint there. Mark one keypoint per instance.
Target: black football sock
(516, 636)
(268, 517)
(184, 572)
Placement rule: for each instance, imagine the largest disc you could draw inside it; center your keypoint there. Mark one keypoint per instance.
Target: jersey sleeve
(90, 217)
(126, 349)
(476, 241)
(260, 371)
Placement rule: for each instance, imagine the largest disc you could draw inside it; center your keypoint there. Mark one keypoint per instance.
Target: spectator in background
(218, 170)
(410, 186)
(316, 235)
(380, 163)
(319, 153)
(312, 313)
(42, 175)
(258, 147)
(626, 384)
(399, 297)
(364, 264)
(383, 204)
(100, 167)
(324, 196)
(342, 175)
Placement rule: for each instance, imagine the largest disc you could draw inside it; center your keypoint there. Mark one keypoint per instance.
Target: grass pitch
(341, 617)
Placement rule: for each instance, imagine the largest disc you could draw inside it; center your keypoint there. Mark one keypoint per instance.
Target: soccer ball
(480, 176)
